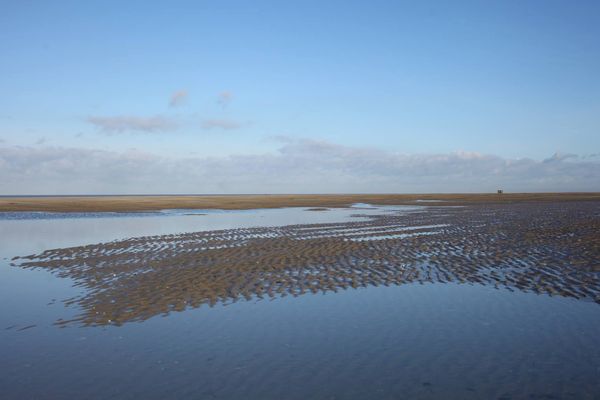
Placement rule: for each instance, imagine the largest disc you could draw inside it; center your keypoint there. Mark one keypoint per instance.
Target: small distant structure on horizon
(500, 191)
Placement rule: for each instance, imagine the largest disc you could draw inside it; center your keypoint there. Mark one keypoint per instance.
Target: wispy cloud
(560, 157)
(299, 166)
(226, 124)
(178, 98)
(224, 98)
(281, 138)
(127, 123)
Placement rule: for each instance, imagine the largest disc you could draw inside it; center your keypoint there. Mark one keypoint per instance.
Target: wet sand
(153, 203)
(549, 248)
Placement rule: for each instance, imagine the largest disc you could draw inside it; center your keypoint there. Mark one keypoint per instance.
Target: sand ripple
(547, 248)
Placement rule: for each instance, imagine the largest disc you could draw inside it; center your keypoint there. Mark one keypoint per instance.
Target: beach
(546, 248)
(443, 296)
(122, 203)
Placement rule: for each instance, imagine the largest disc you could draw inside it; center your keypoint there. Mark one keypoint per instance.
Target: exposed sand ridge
(551, 248)
(244, 202)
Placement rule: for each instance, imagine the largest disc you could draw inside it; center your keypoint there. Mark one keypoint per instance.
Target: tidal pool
(418, 339)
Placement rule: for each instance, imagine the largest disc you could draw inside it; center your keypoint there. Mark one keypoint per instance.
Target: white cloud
(178, 98)
(226, 124)
(560, 157)
(127, 123)
(225, 98)
(303, 166)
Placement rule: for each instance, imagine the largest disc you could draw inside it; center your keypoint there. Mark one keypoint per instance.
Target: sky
(299, 97)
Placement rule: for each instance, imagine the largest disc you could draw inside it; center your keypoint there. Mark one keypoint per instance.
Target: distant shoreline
(129, 203)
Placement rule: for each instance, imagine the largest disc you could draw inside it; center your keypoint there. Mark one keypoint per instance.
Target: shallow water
(411, 341)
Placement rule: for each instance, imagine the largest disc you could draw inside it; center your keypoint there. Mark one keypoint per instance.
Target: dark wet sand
(549, 248)
(151, 203)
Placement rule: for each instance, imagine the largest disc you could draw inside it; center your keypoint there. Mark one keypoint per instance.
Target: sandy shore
(544, 248)
(150, 203)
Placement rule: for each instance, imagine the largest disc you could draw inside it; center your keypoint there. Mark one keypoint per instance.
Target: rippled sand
(548, 248)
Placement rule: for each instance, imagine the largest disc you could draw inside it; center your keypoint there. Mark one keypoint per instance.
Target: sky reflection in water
(427, 341)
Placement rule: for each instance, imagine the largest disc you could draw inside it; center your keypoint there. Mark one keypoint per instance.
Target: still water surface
(409, 341)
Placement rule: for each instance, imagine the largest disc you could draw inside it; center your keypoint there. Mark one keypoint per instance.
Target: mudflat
(545, 248)
(244, 202)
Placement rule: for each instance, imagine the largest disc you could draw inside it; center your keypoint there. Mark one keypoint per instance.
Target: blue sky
(507, 80)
